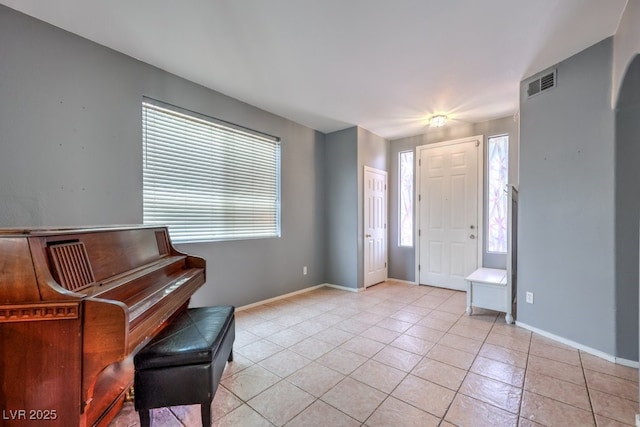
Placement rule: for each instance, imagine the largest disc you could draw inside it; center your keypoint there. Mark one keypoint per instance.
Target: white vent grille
(542, 84)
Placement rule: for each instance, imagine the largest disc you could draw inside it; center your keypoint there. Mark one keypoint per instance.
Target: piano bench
(183, 364)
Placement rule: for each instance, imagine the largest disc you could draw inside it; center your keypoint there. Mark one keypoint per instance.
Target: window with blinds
(207, 179)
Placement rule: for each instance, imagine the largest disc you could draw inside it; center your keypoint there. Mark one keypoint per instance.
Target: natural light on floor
(403, 355)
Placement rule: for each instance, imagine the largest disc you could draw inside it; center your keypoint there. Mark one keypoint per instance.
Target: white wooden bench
(488, 288)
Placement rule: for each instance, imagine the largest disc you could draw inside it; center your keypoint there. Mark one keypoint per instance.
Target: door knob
(367, 235)
(472, 237)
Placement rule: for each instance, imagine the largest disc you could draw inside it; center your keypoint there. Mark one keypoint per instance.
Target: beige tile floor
(403, 355)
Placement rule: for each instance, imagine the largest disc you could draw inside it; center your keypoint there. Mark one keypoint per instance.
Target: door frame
(479, 140)
(386, 218)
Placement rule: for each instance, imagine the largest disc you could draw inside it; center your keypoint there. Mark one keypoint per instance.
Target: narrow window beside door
(405, 233)
(498, 165)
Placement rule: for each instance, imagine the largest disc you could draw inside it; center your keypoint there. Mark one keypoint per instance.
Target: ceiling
(384, 65)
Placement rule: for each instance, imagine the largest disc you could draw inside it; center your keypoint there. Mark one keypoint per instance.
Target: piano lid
(51, 230)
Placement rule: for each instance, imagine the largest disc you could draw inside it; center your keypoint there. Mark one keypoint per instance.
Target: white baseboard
(343, 288)
(626, 362)
(301, 291)
(279, 297)
(578, 346)
(408, 282)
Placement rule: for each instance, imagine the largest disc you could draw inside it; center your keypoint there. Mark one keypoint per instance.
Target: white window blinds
(207, 179)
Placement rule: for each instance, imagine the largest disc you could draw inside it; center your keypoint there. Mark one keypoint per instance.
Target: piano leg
(230, 359)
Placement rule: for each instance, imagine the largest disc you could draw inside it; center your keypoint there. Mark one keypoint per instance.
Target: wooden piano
(75, 306)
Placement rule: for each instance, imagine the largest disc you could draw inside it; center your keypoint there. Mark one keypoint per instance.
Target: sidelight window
(405, 233)
(498, 165)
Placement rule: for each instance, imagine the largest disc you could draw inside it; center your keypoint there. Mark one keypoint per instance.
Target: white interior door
(375, 226)
(449, 212)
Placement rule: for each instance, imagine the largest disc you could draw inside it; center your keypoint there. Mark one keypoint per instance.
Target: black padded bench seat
(183, 364)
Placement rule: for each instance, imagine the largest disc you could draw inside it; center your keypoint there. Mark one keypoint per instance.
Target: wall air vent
(543, 83)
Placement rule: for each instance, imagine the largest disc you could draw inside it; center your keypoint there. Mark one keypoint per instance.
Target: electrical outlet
(304, 270)
(530, 297)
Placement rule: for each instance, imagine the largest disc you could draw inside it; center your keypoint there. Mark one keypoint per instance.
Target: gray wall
(70, 154)
(346, 154)
(627, 128)
(341, 207)
(566, 223)
(402, 259)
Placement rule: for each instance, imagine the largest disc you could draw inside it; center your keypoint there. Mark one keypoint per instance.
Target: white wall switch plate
(530, 297)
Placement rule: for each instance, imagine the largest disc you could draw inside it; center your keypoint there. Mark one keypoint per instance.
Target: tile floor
(402, 355)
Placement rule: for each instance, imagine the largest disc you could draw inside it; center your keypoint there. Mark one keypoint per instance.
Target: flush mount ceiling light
(437, 121)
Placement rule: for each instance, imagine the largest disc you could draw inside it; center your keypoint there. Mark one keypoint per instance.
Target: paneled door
(449, 186)
(375, 226)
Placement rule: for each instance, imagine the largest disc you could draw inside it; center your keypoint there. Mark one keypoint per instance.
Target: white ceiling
(384, 65)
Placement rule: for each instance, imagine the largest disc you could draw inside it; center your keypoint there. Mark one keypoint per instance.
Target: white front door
(375, 226)
(449, 212)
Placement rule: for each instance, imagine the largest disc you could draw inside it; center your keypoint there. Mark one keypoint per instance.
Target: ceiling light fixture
(437, 121)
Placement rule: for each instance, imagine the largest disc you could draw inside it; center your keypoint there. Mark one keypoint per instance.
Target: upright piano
(75, 306)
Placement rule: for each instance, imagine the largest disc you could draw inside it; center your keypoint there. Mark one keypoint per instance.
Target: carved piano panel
(75, 305)
(15, 261)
